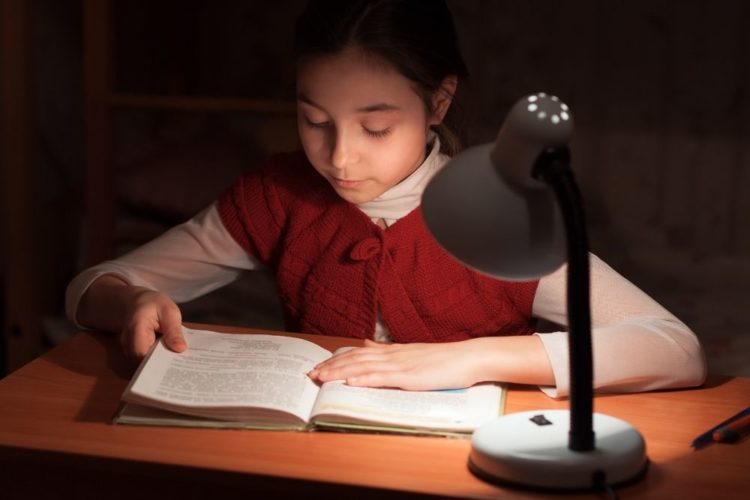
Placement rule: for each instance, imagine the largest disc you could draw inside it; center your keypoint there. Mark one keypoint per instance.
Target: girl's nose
(342, 151)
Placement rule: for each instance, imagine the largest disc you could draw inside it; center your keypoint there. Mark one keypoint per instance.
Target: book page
(219, 372)
(459, 410)
(135, 414)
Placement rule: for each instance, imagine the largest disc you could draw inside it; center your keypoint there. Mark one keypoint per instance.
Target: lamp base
(530, 449)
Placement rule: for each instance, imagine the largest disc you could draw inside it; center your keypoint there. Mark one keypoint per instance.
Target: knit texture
(335, 268)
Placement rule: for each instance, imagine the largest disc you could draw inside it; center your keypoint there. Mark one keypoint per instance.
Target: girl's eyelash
(372, 133)
(313, 124)
(378, 133)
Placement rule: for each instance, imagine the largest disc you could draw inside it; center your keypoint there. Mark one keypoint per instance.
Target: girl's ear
(442, 98)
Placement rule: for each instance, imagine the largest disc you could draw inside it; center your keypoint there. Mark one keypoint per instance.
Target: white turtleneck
(638, 345)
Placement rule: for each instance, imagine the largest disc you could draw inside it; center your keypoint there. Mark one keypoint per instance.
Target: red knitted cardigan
(335, 268)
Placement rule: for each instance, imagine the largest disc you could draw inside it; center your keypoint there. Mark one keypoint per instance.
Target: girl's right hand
(137, 313)
(150, 313)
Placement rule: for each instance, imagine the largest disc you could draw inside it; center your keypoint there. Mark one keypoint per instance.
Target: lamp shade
(507, 232)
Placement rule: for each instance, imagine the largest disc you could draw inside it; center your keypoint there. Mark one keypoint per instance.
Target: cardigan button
(365, 249)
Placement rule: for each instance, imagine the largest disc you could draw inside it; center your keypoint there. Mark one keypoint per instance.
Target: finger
(377, 379)
(354, 370)
(170, 326)
(140, 339)
(352, 356)
(372, 343)
(393, 379)
(356, 352)
(174, 339)
(338, 363)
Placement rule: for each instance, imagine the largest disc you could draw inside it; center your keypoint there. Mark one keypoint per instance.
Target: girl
(339, 226)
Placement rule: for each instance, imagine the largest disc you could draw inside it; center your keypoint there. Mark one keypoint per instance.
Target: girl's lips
(346, 184)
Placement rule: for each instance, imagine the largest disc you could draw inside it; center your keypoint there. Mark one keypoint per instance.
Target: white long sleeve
(187, 261)
(637, 344)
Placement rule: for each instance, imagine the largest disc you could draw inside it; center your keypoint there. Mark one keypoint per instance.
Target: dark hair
(416, 36)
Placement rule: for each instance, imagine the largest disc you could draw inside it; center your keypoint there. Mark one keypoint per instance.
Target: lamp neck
(553, 168)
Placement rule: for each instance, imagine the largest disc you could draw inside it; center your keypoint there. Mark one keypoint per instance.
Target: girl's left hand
(407, 366)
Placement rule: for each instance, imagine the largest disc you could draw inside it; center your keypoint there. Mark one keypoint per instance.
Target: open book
(260, 381)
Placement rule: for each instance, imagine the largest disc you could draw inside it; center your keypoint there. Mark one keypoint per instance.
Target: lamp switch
(540, 420)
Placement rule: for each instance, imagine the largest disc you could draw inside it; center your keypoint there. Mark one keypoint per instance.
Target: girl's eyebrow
(302, 97)
(381, 106)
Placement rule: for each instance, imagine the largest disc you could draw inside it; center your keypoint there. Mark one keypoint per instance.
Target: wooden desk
(56, 440)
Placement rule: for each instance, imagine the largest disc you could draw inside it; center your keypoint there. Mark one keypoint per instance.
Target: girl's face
(361, 124)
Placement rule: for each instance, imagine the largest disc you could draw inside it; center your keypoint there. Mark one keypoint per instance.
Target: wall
(659, 92)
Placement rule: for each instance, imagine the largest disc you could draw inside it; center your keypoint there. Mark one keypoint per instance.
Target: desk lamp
(511, 209)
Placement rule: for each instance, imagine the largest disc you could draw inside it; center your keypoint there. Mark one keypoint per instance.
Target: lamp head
(485, 207)
(536, 122)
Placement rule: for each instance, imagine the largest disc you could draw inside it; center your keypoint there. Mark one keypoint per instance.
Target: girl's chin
(355, 197)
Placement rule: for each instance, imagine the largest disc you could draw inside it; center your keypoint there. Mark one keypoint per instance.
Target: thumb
(171, 330)
(371, 343)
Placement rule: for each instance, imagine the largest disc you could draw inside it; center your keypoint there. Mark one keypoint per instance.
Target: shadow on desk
(717, 381)
(124, 480)
(97, 365)
(707, 473)
(712, 381)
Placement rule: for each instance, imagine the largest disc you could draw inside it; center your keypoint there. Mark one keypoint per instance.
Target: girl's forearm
(520, 360)
(104, 306)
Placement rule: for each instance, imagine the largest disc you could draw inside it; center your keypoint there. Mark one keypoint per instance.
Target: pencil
(733, 431)
(707, 437)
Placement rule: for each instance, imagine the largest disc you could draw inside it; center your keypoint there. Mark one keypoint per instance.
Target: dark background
(658, 89)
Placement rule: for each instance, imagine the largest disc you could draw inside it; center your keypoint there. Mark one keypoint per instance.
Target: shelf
(102, 100)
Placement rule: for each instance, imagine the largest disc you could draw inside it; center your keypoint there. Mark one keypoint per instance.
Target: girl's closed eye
(377, 133)
(380, 132)
(316, 124)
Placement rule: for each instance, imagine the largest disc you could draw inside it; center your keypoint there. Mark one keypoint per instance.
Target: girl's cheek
(307, 138)
(315, 146)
